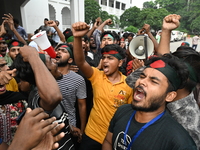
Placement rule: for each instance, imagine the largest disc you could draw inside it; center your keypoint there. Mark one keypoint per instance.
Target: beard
(93, 47)
(63, 63)
(153, 104)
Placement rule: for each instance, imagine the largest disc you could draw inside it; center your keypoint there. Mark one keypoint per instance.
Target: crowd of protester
(95, 95)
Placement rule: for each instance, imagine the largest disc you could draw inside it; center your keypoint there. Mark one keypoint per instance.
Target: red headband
(111, 52)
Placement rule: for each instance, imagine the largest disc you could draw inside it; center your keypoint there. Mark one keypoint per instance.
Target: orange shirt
(107, 97)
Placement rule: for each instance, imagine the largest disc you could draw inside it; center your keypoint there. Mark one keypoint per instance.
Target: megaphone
(141, 47)
(43, 42)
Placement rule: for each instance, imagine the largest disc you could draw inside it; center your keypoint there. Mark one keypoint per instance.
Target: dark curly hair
(191, 57)
(24, 70)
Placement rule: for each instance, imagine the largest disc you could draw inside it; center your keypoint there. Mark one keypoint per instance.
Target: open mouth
(58, 57)
(105, 68)
(2, 88)
(139, 93)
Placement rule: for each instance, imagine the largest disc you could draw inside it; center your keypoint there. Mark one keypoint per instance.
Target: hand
(145, 30)
(77, 133)
(99, 21)
(108, 22)
(51, 23)
(8, 18)
(51, 138)
(74, 68)
(6, 76)
(27, 52)
(32, 129)
(2, 29)
(137, 64)
(79, 29)
(171, 22)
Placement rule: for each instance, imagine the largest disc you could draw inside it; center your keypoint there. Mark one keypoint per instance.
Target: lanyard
(142, 129)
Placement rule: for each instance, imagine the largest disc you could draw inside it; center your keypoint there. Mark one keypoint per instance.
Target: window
(123, 6)
(117, 5)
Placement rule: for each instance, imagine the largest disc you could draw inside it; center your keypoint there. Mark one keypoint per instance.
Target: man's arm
(82, 113)
(170, 22)
(52, 23)
(107, 143)
(79, 29)
(47, 86)
(92, 30)
(9, 19)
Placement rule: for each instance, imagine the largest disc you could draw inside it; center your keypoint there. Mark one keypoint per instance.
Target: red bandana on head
(158, 64)
(15, 43)
(1, 39)
(111, 52)
(64, 46)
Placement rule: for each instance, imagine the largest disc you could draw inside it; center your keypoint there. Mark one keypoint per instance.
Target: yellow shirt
(107, 97)
(12, 86)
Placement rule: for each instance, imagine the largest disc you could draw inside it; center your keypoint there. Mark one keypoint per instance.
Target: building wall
(115, 7)
(65, 11)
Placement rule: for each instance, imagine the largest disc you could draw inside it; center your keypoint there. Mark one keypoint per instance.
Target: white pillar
(77, 11)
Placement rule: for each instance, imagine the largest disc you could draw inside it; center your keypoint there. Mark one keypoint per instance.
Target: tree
(195, 25)
(130, 17)
(131, 29)
(153, 17)
(104, 15)
(149, 4)
(92, 11)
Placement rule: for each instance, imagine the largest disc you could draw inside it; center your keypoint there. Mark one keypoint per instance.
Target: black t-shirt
(10, 97)
(61, 117)
(164, 134)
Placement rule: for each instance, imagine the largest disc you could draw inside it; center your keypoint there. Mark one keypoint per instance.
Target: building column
(114, 6)
(77, 10)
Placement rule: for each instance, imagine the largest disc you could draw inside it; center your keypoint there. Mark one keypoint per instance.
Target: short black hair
(131, 34)
(24, 70)
(115, 47)
(16, 21)
(46, 19)
(192, 57)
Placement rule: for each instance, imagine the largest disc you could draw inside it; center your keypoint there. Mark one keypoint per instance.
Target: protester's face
(130, 38)
(110, 64)
(150, 91)
(106, 40)
(62, 57)
(13, 52)
(85, 45)
(92, 43)
(3, 67)
(3, 48)
(122, 44)
(53, 67)
(45, 22)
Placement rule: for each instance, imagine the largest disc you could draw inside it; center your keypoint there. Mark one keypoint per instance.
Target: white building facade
(115, 7)
(66, 12)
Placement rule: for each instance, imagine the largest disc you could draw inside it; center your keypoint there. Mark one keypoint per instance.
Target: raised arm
(79, 29)
(92, 30)
(47, 86)
(52, 23)
(9, 19)
(170, 23)
(2, 29)
(146, 29)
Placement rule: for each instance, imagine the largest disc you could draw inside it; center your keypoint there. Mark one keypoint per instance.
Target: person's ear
(120, 62)
(70, 60)
(170, 96)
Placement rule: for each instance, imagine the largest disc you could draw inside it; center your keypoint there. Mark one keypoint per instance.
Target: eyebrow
(152, 78)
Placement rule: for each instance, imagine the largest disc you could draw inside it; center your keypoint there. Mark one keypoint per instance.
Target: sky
(139, 3)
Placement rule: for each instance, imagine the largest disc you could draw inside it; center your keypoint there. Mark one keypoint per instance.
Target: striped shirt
(72, 86)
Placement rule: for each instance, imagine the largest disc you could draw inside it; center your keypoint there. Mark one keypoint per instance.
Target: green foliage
(92, 11)
(130, 17)
(195, 25)
(149, 4)
(131, 29)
